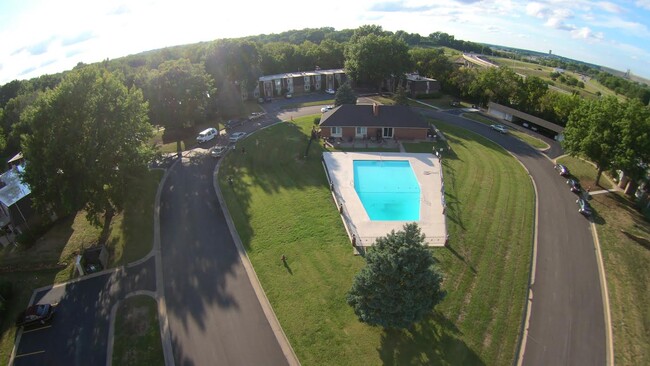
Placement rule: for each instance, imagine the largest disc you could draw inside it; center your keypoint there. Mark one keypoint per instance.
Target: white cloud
(643, 4)
(537, 10)
(609, 7)
(634, 28)
(586, 33)
(555, 17)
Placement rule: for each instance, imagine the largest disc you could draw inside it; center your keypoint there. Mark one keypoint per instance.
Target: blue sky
(41, 37)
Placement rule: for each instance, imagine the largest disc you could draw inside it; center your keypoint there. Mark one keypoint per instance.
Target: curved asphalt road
(214, 315)
(567, 321)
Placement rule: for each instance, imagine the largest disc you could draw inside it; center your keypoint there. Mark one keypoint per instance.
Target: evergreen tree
(399, 284)
(400, 96)
(345, 95)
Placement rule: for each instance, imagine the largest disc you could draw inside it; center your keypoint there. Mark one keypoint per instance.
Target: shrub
(28, 237)
(316, 120)
(5, 297)
(6, 290)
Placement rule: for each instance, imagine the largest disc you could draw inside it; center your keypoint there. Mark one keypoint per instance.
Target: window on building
(307, 83)
(337, 131)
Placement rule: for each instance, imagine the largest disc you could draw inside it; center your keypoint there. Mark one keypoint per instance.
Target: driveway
(214, 315)
(78, 334)
(567, 322)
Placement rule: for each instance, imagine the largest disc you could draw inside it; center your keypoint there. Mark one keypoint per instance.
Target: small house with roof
(417, 85)
(15, 204)
(373, 122)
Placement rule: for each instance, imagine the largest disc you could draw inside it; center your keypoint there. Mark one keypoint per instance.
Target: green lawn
(530, 140)
(383, 100)
(137, 333)
(627, 267)
(585, 173)
(444, 102)
(308, 104)
(130, 237)
(281, 204)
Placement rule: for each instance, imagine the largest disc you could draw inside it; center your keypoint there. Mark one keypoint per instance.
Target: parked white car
(499, 128)
(218, 151)
(236, 136)
(207, 135)
(326, 108)
(330, 91)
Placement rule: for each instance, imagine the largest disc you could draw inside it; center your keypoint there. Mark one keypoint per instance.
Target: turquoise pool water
(388, 189)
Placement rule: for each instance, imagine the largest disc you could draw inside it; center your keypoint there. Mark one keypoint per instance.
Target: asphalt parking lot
(78, 333)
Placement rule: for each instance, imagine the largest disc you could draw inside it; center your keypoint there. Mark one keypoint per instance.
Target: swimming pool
(388, 189)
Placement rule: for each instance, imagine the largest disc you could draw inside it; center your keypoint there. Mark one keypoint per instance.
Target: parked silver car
(236, 136)
(499, 128)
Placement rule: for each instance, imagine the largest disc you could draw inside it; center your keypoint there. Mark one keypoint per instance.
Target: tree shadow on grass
(461, 258)
(434, 341)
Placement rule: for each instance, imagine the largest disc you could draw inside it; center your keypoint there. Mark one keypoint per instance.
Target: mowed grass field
(281, 205)
(627, 267)
(592, 86)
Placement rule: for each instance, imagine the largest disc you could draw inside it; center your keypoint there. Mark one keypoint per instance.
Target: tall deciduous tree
(330, 55)
(499, 85)
(87, 144)
(593, 131)
(399, 284)
(431, 62)
(557, 107)
(179, 94)
(531, 93)
(372, 59)
(633, 151)
(233, 61)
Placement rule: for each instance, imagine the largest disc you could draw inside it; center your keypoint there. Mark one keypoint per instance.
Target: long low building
(270, 86)
(511, 115)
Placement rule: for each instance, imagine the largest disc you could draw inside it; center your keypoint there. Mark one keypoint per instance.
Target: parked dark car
(583, 207)
(574, 185)
(36, 314)
(562, 170)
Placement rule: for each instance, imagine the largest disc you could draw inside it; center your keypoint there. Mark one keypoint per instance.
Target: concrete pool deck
(427, 170)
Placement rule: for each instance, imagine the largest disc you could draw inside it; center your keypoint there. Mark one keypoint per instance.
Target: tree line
(179, 87)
